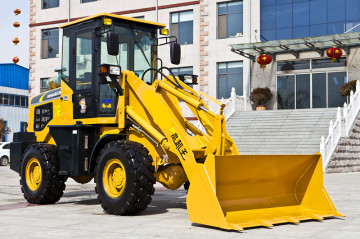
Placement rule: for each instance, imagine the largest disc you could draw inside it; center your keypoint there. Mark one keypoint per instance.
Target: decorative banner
(334, 53)
(17, 11)
(15, 41)
(16, 59)
(16, 24)
(264, 60)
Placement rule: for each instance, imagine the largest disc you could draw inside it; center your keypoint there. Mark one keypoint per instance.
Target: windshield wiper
(133, 29)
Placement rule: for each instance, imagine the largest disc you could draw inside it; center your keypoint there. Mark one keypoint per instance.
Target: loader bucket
(240, 191)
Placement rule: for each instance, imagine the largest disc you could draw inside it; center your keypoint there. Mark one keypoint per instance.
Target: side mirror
(175, 53)
(112, 42)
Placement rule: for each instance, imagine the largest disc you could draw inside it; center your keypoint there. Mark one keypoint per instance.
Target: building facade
(14, 93)
(206, 29)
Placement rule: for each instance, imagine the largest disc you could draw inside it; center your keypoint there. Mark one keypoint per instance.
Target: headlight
(188, 79)
(106, 69)
(115, 70)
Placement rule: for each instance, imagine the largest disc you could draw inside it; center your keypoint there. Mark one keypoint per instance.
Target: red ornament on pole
(334, 53)
(15, 41)
(16, 24)
(264, 60)
(16, 59)
(17, 11)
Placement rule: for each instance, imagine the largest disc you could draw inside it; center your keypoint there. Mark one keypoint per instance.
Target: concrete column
(204, 45)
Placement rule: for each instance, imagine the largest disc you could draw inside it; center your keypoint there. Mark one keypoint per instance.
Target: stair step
(280, 131)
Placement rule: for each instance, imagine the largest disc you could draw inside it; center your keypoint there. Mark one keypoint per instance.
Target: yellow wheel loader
(114, 115)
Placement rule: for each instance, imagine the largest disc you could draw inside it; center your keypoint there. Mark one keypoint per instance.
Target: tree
(3, 129)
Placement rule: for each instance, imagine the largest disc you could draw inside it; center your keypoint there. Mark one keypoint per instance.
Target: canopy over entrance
(295, 46)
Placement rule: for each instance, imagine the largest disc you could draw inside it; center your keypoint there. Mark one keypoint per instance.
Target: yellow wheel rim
(114, 178)
(33, 174)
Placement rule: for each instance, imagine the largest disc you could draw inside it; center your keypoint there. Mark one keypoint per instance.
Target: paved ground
(78, 215)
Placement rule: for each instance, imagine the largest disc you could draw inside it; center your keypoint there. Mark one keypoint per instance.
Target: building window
(23, 126)
(182, 70)
(229, 74)
(49, 43)
(50, 4)
(230, 19)
(85, 1)
(43, 86)
(42, 116)
(14, 100)
(140, 17)
(298, 19)
(182, 27)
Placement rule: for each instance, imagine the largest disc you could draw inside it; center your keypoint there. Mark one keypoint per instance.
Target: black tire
(139, 182)
(52, 185)
(4, 161)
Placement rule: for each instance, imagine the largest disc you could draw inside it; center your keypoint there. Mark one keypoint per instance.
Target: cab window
(84, 45)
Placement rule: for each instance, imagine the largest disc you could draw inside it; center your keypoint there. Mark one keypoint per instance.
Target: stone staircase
(280, 131)
(346, 157)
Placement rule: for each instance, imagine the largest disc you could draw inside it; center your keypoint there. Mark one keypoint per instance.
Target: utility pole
(157, 12)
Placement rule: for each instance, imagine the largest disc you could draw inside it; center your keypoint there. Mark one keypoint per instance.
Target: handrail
(342, 126)
(228, 109)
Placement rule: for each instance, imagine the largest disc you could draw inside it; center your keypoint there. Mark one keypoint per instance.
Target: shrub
(3, 129)
(261, 95)
(347, 88)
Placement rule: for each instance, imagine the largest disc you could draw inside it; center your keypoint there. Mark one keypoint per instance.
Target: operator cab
(106, 40)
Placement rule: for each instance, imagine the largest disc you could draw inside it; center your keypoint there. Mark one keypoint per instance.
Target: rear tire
(4, 161)
(40, 180)
(124, 178)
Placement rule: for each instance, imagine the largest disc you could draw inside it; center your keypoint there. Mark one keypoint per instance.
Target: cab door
(84, 101)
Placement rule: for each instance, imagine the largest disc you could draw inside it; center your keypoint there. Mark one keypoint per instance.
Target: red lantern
(334, 53)
(16, 24)
(16, 59)
(15, 41)
(264, 60)
(17, 11)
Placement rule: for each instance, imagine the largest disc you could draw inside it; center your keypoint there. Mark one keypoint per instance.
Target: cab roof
(113, 16)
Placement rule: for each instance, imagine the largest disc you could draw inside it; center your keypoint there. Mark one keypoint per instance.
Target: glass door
(302, 91)
(319, 90)
(335, 81)
(286, 92)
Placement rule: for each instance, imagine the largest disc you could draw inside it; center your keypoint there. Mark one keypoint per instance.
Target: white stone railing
(229, 109)
(341, 127)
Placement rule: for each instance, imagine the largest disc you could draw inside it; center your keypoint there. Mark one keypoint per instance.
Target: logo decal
(82, 104)
(106, 104)
(178, 143)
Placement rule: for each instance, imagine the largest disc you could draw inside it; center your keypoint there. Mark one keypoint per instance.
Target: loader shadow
(162, 200)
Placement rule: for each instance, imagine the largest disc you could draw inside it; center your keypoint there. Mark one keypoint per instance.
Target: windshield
(137, 50)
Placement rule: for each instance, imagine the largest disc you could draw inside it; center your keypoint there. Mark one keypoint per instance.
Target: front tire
(40, 180)
(124, 178)
(4, 161)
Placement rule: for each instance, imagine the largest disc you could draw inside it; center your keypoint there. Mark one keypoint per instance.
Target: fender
(107, 138)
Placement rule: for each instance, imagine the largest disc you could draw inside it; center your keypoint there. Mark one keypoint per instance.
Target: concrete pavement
(78, 215)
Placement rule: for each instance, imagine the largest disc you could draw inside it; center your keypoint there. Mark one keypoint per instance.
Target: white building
(14, 91)
(207, 28)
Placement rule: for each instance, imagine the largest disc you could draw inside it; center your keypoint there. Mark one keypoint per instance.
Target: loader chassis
(112, 122)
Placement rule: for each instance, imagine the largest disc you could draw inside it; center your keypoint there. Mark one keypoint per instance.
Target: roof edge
(104, 14)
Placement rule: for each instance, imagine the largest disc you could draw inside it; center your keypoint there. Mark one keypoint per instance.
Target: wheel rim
(33, 174)
(114, 178)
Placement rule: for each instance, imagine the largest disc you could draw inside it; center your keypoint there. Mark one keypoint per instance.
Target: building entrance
(310, 84)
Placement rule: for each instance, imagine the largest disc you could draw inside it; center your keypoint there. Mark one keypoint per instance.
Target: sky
(7, 32)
